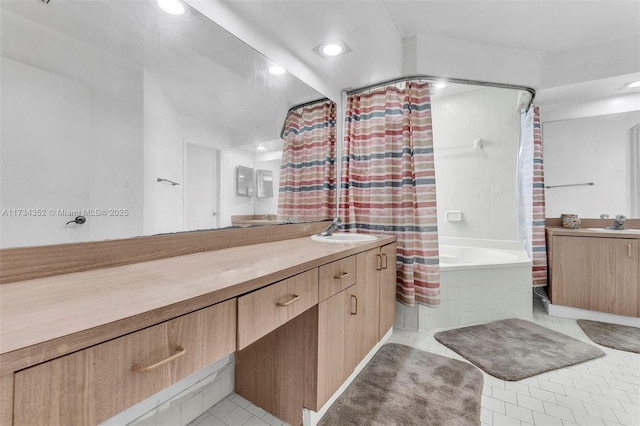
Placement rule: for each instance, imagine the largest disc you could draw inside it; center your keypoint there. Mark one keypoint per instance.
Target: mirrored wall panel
(134, 119)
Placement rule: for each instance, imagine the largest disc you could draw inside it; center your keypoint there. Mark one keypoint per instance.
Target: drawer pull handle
(386, 263)
(354, 297)
(341, 276)
(378, 262)
(629, 251)
(290, 301)
(180, 351)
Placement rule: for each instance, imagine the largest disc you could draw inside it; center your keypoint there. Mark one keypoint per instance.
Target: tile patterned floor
(602, 392)
(234, 410)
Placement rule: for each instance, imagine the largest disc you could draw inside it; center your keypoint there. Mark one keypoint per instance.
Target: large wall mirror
(592, 165)
(133, 118)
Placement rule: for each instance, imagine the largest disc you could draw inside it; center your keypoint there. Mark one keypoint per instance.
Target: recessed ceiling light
(333, 48)
(172, 7)
(277, 70)
(440, 85)
(634, 84)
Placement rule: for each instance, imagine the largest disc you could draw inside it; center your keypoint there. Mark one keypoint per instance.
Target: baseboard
(311, 418)
(576, 313)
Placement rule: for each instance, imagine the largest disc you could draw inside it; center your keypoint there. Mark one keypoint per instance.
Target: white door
(201, 187)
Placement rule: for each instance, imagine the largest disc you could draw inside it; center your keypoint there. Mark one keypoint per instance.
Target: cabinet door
(332, 317)
(354, 326)
(387, 288)
(368, 277)
(599, 274)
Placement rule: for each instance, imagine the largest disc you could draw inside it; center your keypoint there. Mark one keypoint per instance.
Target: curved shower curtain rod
(422, 77)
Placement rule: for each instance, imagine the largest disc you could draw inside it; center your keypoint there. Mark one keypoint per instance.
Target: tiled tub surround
(480, 280)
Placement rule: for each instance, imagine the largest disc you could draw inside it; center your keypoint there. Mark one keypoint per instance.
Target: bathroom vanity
(300, 314)
(594, 269)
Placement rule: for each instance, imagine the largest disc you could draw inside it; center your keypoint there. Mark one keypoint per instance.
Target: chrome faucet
(333, 226)
(618, 223)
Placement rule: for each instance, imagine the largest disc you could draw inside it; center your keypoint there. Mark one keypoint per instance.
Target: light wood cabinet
(266, 309)
(336, 276)
(377, 268)
(351, 322)
(93, 384)
(599, 274)
(84, 364)
(347, 323)
(387, 287)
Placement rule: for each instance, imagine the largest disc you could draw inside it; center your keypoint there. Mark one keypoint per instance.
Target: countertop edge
(36, 352)
(582, 232)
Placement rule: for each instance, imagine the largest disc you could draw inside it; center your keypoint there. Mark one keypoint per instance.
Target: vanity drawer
(336, 276)
(92, 385)
(264, 310)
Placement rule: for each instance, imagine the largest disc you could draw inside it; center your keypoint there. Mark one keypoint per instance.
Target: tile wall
(481, 183)
(479, 295)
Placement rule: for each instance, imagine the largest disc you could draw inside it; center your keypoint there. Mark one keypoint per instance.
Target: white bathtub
(480, 281)
(458, 254)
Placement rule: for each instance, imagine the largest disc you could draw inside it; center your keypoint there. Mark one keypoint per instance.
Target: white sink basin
(344, 237)
(625, 231)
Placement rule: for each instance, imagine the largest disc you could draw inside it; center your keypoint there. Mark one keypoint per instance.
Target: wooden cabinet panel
(387, 289)
(336, 276)
(339, 333)
(332, 317)
(277, 372)
(599, 274)
(96, 383)
(368, 276)
(264, 310)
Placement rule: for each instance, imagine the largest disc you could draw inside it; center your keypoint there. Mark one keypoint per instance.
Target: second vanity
(299, 314)
(595, 269)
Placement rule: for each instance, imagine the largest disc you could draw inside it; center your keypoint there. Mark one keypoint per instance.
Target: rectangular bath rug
(615, 336)
(514, 349)
(402, 385)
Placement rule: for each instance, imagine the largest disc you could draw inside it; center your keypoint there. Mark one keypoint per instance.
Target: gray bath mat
(515, 349)
(621, 337)
(402, 385)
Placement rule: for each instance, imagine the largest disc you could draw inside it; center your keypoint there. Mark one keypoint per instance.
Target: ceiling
(207, 73)
(375, 29)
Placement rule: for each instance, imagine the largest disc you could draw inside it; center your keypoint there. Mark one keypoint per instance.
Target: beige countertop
(585, 232)
(46, 309)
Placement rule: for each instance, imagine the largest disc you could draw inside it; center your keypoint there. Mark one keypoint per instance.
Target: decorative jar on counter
(570, 221)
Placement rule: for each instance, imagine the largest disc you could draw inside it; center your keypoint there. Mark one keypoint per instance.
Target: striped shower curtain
(388, 182)
(531, 204)
(307, 174)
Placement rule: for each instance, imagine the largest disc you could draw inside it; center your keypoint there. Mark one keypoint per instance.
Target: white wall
(592, 149)
(163, 158)
(479, 183)
(446, 57)
(68, 149)
(597, 61)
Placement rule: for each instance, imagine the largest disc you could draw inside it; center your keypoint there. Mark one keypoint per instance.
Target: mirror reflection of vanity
(133, 118)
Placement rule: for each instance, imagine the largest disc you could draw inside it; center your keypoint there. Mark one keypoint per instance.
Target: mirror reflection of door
(201, 187)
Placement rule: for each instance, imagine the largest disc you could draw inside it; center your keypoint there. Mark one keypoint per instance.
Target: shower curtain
(388, 182)
(307, 173)
(530, 194)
